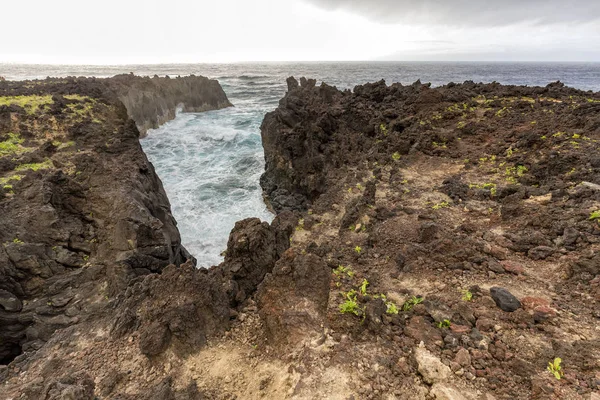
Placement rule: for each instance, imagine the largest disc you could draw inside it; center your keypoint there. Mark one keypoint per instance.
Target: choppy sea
(210, 163)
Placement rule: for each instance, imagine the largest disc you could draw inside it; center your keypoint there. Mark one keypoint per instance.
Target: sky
(191, 31)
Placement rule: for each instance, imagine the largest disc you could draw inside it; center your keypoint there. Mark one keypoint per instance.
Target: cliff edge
(151, 102)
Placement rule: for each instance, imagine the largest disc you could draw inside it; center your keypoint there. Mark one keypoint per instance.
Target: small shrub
(391, 308)
(410, 303)
(341, 270)
(363, 287)
(383, 129)
(444, 324)
(350, 306)
(555, 368)
(467, 295)
(358, 249)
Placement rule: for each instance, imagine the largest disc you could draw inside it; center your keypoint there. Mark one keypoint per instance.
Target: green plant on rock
(595, 215)
(396, 156)
(17, 241)
(391, 308)
(441, 205)
(555, 368)
(444, 324)
(410, 303)
(350, 306)
(467, 295)
(383, 129)
(341, 270)
(358, 249)
(363, 287)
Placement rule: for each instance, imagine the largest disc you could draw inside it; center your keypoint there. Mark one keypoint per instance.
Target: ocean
(210, 163)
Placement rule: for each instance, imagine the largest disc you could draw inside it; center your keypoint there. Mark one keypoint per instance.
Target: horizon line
(297, 62)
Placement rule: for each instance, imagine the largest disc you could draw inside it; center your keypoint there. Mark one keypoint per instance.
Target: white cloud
(136, 31)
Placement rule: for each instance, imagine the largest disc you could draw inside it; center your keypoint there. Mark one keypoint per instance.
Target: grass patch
(4, 181)
(439, 206)
(47, 164)
(12, 145)
(31, 104)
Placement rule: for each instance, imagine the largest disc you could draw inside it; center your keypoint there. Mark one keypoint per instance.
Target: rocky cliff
(91, 256)
(461, 225)
(151, 102)
(82, 210)
(430, 243)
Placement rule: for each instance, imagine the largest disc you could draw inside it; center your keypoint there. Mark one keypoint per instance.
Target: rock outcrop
(402, 211)
(82, 210)
(90, 251)
(151, 102)
(461, 227)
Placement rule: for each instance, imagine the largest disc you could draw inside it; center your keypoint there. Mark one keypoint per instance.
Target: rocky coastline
(151, 102)
(429, 243)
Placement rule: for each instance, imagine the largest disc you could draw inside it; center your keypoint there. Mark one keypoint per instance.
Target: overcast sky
(149, 31)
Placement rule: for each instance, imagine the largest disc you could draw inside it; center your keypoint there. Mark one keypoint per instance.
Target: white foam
(210, 164)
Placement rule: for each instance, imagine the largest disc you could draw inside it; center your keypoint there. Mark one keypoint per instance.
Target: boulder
(505, 299)
(431, 367)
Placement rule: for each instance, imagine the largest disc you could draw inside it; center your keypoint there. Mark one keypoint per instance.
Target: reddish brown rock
(543, 313)
(513, 268)
(459, 328)
(529, 303)
(422, 331)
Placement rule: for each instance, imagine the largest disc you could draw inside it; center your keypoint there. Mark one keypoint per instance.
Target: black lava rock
(504, 299)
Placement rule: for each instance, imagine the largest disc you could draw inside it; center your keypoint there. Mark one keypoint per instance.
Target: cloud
(469, 12)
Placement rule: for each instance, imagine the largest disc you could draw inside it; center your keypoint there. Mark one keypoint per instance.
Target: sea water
(210, 163)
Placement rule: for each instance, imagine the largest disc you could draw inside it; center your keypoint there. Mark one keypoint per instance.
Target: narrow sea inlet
(210, 164)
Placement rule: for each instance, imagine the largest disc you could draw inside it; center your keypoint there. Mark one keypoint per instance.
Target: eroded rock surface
(151, 102)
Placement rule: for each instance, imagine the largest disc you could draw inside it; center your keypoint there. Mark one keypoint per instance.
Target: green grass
(12, 145)
(30, 103)
(4, 181)
(443, 204)
(47, 164)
